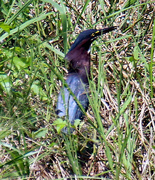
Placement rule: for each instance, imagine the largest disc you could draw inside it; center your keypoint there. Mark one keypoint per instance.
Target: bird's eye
(94, 34)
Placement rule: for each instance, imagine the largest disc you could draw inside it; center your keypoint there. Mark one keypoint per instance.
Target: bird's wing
(66, 105)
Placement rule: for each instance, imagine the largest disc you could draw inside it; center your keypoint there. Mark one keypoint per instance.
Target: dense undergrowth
(116, 138)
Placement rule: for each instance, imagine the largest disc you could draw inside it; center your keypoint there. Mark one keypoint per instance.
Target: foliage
(116, 139)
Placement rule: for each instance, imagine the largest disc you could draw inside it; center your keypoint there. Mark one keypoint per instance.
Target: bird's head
(85, 39)
(79, 53)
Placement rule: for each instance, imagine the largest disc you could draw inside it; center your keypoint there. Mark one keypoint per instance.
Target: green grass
(116, 138)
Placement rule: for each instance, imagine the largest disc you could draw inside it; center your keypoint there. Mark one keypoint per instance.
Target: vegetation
(116, 138)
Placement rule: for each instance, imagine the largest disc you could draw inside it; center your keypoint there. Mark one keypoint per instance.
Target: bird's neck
(79, 62)
(81, 66)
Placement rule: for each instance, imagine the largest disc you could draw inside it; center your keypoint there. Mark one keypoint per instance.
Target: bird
(78, 77)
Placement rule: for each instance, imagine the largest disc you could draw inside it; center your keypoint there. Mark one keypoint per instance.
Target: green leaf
(109, 156)
(77, 122)
(38, 90)
(41, 133)
(20, 63)
(136, 53)
(131, 58)
(5, 27)
(129, 3)
(60, 124)
(5, 82)
(125, 105)
(36, 87)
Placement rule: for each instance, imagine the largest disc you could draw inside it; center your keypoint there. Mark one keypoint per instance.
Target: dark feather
(66, 105)
(79, 71)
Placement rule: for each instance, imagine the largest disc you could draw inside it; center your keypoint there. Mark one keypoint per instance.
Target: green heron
(78, 75)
